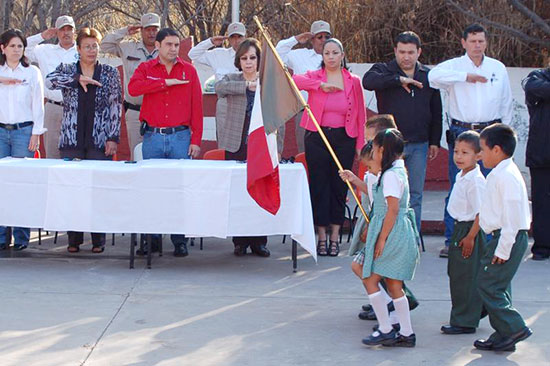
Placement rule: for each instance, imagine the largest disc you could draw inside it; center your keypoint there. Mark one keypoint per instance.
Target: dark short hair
(471, 138)
(501, 135)
(5, 39)
(473, 29)
(165, 32)
(381, 122)
(244, 47)
(408, 37)
(340, 46)
(88, 33)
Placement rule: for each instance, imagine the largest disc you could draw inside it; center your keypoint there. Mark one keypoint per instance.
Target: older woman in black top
(92, 108)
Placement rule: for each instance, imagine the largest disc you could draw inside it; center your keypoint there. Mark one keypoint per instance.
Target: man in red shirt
(171, 108)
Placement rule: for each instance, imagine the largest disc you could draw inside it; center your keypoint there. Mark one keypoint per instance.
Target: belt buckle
(10, 127)
(162, 131)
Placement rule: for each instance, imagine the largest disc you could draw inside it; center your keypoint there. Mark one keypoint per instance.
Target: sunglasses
(323, 36)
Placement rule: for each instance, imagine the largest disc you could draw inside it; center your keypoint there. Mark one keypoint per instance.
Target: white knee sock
(380, 307)
(404, 315)
(386, 296)
(393, 318)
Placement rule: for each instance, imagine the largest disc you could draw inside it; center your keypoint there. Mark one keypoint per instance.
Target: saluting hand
(84, 81)
(330, 88)
(172, 82)
(9, 81)
(49, 33)
(304, 37)
(407, 82)
(133, 29)
(475, 78)
(218, 40)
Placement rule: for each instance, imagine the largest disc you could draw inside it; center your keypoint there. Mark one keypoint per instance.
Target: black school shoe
(240, 250)
(395, 326)
(401, 341)
(505, 343)
(19, 247)
(452, 329)
(378, 338)
(180, 250)
(488, 344)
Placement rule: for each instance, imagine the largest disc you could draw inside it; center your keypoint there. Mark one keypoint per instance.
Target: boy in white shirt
(467, 240)
(504, 213)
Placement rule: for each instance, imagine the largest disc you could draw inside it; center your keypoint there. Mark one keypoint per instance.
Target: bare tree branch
(516, 33)
(531, 15)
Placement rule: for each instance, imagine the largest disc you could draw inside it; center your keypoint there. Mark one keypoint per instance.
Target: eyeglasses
(323, 36)
(93, 47)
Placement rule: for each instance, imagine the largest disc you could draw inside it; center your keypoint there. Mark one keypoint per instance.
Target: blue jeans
(15, 143)
(416, 160)
(173, 146)
(453, 171)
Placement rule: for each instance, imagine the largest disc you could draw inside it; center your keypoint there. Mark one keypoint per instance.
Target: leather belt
(166, 130)
(15, 126)
(54, 102)
(475, 125)
(134, 107)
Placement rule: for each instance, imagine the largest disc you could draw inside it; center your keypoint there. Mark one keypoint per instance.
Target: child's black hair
(471, 138)
(392, 142)
(366, 150)
(501, 135)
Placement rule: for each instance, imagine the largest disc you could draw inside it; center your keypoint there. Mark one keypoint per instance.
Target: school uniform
(400, 255)
(504, 213)
(464, 205)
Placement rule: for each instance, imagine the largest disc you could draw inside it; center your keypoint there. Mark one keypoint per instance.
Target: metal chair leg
(201, 244)
(39, 236)
(55, 238)
(113, 240)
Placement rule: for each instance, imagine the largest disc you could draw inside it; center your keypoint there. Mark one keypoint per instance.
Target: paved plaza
(212, 308)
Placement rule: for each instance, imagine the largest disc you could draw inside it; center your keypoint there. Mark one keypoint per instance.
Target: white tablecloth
(192, 197)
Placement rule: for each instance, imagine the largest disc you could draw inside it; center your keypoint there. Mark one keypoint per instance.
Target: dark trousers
(328, 191)
(540, 198)
(75, 237)
(466, 303)
(494, 285)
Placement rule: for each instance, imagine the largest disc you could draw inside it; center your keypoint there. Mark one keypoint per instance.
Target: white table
(197, 198)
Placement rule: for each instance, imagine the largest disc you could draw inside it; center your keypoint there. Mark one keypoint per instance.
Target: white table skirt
(193, 197)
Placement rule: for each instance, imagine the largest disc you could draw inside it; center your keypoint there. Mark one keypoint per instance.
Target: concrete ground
(212, 308)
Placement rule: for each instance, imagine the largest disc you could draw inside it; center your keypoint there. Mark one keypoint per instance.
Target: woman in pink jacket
(336, 100)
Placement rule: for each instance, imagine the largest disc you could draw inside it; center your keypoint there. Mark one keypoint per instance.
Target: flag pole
(308, 110)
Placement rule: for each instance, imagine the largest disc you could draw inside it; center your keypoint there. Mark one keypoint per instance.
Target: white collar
(18, 67)
(503, 165)
(398, 163)
(471, 174)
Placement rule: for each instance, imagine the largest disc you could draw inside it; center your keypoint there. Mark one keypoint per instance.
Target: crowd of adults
(79, 110)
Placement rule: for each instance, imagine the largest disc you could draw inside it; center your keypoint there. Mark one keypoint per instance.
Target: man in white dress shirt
(133, 53)
(479, 95)
(48, 57)
(304, 59)
(222, 60)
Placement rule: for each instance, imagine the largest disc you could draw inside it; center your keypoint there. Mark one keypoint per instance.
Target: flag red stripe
(262, 178)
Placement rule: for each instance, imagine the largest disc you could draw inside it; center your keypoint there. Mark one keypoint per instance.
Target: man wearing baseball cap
(133, 53)
(220, 59)
(304, 59)
(48, 57)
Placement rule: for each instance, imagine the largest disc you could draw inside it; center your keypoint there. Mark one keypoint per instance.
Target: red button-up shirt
(169, 106)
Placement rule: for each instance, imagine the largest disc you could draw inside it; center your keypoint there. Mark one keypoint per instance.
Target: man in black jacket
(537, 96)
(402, 89)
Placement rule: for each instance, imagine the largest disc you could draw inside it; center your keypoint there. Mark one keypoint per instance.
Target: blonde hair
(87, 32)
